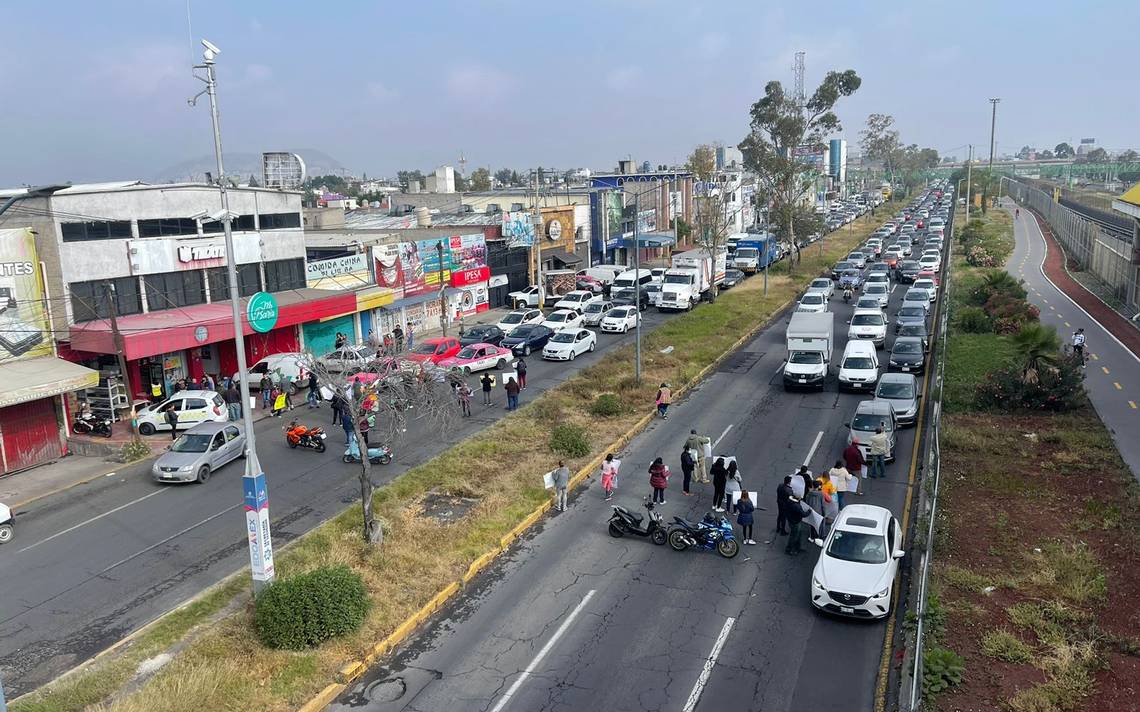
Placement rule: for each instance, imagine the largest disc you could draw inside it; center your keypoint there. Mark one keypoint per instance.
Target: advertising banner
(339, 273)
(647, 221)
(257, 526)
(518, 229)
(410, 269)
(23, 322)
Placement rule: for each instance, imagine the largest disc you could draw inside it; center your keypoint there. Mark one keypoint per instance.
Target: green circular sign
(262, 312)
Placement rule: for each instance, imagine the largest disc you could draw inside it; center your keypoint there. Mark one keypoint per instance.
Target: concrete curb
(73, 485)
(352, 670)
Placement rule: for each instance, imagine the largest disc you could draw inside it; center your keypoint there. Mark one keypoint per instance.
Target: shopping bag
(548, 480)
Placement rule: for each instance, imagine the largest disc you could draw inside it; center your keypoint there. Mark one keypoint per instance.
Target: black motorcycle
(711, 533)
(625, 522)
(92, 425)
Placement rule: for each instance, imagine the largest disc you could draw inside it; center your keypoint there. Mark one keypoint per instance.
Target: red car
(928, 274)
(435, 349)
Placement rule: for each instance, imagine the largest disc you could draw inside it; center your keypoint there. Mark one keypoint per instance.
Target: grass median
(224, 666)
(1033, 580)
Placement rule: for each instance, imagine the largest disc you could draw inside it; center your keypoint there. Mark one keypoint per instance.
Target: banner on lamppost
(257, 527)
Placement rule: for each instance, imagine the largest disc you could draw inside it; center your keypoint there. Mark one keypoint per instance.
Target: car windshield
(821, 283)
(521, 332)
(842, 267)
(619, 313)
(912, 330)
(867, 422)
(850, 274)
(480, 332)
(867, 303)
(192, 442)
(425, 349)
(924, 284)
(595, 308)
(808, 357)
(858, 362)
(867, 320)
(912, 311)
(679, 278)
(576, 297)
(623, 294)
(858, 547)
(558, 316)
(855, 256)
(563, 337)
(910, 265)
(875, 288)
(895, 390)
(907, 347)
(812, 298)
(468, 352)
(513, 318)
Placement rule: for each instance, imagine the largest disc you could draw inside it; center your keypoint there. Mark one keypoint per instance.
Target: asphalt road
(93, 564)
(572, 619)
(1112, 377)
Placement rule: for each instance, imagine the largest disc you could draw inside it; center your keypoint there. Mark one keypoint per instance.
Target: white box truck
(691, 274)
(811, 336)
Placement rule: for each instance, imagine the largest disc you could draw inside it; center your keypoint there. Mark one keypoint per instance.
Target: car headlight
(815, 581)
(184, 469)
(882, 594)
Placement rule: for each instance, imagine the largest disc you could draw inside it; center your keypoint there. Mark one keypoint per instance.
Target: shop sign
(554, 229)
(201, 334)
(338, 273)
(413, 268)
(154, 255)
(24, 327)
(476, 275)
(197, 253)
(471, 300)
(262, 312)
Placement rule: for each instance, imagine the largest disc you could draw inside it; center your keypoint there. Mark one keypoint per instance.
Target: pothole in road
(388, 690)
(446, 508)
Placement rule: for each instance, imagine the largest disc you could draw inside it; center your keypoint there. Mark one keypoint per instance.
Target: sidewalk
(1108, 317)
(23, 488)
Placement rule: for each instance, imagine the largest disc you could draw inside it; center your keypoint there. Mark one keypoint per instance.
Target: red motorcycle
(298, 435)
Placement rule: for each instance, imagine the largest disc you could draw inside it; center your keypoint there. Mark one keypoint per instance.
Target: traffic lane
(85, 589)
(1112, 377)
(497, 631)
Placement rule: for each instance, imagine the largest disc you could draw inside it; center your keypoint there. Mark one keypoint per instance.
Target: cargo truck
(691, 275)
(755, 252)
(810, 337)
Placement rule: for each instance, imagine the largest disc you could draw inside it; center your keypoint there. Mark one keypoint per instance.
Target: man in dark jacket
(232, 397)
(314, 391)
(795, 516)
(688, 464)
(853, 458)
(783, 492)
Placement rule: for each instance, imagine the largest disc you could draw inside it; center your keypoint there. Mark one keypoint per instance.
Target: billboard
(410, 269)
(518, 229)
(647, 221)
(24, 331)
(814, 156)
(338, 273)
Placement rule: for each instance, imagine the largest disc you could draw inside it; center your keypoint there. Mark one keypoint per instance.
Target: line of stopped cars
(860, 554)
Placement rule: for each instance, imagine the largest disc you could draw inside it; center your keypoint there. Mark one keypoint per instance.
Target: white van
(859, 369)
(629, 278)
(284, 366)
(606, 274)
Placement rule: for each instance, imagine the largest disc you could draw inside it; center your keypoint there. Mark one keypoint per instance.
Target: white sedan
(567, 344)
(822, 285)
(856, 569)
(931, 262)
(812, 302)
(562, 319)
(620, 320)
(869, 324)
(576, 300)
(518, 318)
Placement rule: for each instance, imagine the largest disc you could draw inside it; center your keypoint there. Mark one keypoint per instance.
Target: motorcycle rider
(847, 294)
(1079, 344)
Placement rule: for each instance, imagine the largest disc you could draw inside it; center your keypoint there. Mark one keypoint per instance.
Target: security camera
(211, 50)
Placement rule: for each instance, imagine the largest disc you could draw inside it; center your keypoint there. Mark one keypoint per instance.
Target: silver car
(201, 450)
(901, 391)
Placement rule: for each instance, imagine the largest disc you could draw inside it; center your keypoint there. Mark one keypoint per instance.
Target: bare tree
(712, 217)
(392, 392)
(781, 127)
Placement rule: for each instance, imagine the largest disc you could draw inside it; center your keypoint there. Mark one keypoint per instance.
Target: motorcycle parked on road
(711, 533)
(298, 435)
(625, 522)
(381, 455)
(91, 424)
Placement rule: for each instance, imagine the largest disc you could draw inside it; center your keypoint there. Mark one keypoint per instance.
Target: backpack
(687, 461)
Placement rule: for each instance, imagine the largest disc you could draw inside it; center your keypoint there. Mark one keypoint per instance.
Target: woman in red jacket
(658, 480)
(853, 458)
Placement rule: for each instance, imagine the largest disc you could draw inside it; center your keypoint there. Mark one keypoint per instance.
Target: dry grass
(501, 466)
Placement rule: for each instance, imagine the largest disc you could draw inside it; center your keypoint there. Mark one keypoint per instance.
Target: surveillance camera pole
(261, 548)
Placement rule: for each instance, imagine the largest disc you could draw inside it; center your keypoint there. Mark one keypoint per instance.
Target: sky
(97, 91)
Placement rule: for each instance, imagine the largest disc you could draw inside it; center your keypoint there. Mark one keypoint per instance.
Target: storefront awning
(650, 240)
(566, 259)
(190, 327)
(1129, 202)
(36, 378)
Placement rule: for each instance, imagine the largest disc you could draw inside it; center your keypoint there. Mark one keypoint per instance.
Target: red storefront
(188, 342)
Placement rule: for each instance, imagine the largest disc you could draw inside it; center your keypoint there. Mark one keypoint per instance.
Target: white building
(442, 181)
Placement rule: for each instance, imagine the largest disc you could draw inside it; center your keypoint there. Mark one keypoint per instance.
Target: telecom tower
(462, 164)
(798, 72)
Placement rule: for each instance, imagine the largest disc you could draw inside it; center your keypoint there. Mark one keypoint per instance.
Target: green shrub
(1003, 645)
(1056, 388)
(305, 610)
(974, 320)
(607, 405)
(135, 449)
(569, 440)
(941, 668)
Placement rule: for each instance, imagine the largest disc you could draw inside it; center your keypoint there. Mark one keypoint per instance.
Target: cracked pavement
(640, 643)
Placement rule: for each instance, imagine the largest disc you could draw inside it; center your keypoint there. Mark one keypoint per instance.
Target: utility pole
(117, 336)
(538, 245)
(993, 125)
(254, 483)
(969, 186)
(637, 289)
(442, 290)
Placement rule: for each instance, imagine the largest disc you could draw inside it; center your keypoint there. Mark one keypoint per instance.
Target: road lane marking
(706, 671)
(1067, 324)
(814, 445)
(1051, 307)
(721, 436)
(92, 519)
(1132, 405)
(1118, 386)
(543, 653)
(1095, 357)
(1105, 369)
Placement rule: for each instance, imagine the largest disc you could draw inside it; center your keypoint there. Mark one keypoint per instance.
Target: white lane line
(542, 653)
(92, 519)
(814, 445)
(710, 661)
(717, 442)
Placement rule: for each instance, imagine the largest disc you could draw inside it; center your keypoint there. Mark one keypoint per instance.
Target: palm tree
(1037, 347)
(1001, 282)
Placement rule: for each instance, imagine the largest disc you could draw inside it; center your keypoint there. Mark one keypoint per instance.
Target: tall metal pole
(993, 124)
(253, 469)
(442, 291)
(538, 246)
(969, 184)
(637, 288)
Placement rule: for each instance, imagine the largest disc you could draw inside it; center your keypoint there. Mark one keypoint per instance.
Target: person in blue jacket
(744, 508)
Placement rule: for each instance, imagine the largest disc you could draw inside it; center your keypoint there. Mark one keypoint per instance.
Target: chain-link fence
(1093, 248)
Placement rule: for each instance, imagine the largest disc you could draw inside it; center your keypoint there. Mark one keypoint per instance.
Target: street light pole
(637, 289)
(993, 124)
(969, 184)
(261, 550)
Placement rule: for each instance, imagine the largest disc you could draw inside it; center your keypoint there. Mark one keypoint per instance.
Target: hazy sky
(97, 90)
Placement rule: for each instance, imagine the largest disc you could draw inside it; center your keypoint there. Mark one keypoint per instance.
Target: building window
(212, 227)
(174, 289)
(89, 300)
(281, 275)
(219, 284)
(249, 281)
(280, 221)
(247, 223)
(168, 227)
(99, 230)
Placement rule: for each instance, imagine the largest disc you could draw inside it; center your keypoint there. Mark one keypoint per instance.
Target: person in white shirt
(840, 477)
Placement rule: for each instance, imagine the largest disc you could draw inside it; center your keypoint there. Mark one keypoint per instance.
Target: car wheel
(573, 354)
(592, 345)
(6, 533)
(526, 350)
(501, 364)
(203, 474)
(146, 429)
(467, 370)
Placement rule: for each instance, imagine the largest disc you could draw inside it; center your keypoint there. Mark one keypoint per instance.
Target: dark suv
(908, 270)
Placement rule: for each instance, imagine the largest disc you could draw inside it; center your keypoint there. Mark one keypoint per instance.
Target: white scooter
(7, 524)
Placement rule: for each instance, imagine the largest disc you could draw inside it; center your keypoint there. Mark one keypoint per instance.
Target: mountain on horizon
(243, 165)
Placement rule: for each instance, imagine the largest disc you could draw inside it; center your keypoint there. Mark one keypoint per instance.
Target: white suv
(859, 369)
(856, 570)
(869, 325)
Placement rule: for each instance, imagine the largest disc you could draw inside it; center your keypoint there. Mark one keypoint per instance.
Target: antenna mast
(798, 71)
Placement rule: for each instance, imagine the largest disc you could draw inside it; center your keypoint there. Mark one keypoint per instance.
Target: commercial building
(660, 196)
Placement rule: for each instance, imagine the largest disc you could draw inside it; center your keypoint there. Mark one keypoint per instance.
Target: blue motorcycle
(376, 455)
(711, 533)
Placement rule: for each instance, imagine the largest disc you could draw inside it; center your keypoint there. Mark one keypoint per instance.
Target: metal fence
(1099, 250)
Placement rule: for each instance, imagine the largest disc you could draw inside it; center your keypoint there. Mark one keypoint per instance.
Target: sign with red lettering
(474, 275)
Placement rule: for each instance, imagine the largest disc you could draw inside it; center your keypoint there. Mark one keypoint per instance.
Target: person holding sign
(744, 509)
